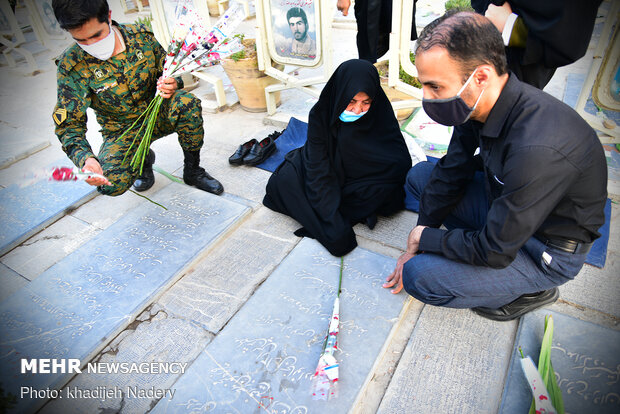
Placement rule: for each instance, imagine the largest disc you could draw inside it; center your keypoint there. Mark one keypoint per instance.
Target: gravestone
(77, 305)
(26, 210)
(585, 358)
(266, 356)
(455, 362)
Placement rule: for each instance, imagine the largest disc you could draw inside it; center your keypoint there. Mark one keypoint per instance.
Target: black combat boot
(147, 179)
(195, 175)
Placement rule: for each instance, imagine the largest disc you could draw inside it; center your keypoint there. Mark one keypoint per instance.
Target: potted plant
(249, 82)
(393, 94)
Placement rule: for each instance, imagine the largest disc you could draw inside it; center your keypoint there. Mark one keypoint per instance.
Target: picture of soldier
(298, 43)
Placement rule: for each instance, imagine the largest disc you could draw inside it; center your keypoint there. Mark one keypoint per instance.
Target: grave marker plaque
(26, 210)
(585, 358)
(78, 304)
(267, 354)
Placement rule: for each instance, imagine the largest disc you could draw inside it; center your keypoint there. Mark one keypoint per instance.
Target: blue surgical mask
(348, 116)
(451, 111)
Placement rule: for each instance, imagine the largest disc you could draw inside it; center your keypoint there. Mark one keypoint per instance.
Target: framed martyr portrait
(50, 25)
(294, 35)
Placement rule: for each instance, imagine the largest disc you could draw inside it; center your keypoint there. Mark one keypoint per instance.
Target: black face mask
(450, 111)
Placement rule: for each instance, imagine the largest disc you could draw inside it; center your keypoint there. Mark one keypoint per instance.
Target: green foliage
(546, 369)
(402, 75)
(240, 54)
(459, 4)
(407, 78)
(145, 20)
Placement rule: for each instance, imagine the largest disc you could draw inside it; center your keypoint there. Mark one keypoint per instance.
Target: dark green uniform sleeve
(70, 114)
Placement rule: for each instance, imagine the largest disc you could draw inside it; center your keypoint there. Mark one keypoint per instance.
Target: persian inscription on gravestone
(26, 210)
(267, 354)
(586, 360)
(68, 310)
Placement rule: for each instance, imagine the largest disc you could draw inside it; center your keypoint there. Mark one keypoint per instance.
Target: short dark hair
(469, 38)
(297, 12)
(72, 14)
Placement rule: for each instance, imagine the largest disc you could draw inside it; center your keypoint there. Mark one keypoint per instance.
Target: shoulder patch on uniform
(70, 57)
(60, 115)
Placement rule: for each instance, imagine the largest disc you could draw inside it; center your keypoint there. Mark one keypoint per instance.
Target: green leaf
(545, 368)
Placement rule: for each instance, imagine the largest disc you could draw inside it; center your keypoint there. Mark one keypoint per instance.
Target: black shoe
(195, 175)
(147, 179)
(260, 151)
(520, 306)
(242, 151)
(275, 134)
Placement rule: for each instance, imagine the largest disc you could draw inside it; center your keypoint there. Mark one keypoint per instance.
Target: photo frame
(294, 35)
(48, 20)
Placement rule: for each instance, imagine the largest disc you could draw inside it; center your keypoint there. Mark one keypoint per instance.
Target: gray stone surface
(97, 290)
(104, 211)
(14, 146)
(455, 362)
(266, 355)
(390, 231)
(10, 282)
(25, 210)
(213, 291)
(584, 358)
(244, 181)
(51, 245)
(158, 338)
(594, 289)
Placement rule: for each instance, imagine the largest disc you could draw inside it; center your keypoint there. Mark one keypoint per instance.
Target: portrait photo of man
(297, 43)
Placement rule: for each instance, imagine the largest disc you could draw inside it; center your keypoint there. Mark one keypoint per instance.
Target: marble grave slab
(585, 358)
(26, 210)
(265, 357)
(78, 304)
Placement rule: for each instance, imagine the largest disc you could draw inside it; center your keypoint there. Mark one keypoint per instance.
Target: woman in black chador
(352, 166)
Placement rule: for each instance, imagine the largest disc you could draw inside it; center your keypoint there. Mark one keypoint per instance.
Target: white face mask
(102, 49)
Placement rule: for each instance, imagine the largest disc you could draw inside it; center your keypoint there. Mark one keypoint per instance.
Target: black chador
(346, 172)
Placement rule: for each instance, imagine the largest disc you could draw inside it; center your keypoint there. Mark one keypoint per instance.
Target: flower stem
(143, 196)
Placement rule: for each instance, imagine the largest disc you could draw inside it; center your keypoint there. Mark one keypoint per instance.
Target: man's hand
(93, 166)
(166, 86)
(396, 278)
(498, 15)
(343, 6)
(413, 242)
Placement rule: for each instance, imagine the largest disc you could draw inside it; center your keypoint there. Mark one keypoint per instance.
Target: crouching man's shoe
(520, 306)
(147, 178)
(195, 175)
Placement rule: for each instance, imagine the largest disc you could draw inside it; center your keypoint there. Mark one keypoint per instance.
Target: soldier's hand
(166, 86)
(93, 166)
(343, 6)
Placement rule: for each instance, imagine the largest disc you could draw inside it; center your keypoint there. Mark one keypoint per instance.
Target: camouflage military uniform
(119, 90)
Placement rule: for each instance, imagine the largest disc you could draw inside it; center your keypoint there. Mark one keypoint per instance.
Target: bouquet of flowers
(325, 381)
(192, 47)
(71, 174)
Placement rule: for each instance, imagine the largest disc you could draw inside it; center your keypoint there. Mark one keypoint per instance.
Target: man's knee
(419, 283)
(418, 176)
(187, 106)
(121, 182)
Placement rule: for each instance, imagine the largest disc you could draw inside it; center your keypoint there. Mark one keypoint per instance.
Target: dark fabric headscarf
(349, 156)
